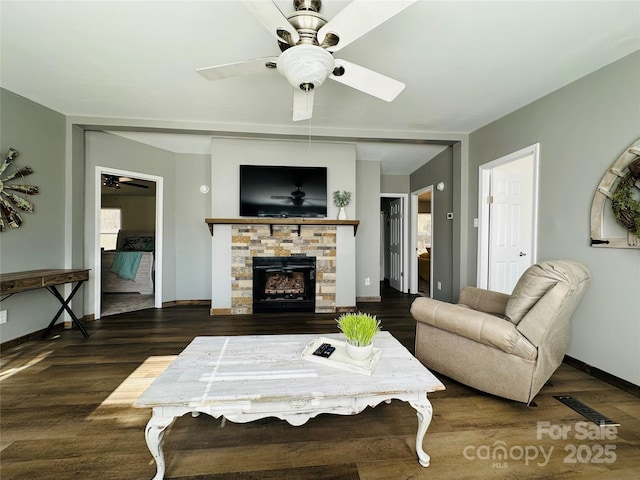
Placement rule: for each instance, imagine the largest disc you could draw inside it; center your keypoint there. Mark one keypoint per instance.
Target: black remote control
(325, 350)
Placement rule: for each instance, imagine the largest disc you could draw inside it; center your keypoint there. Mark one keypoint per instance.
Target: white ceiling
(464, 64)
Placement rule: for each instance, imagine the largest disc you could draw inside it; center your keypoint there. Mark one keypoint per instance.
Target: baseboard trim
(369, 299)
(181, 303)
(618, 382)
(37, 335)
(346, 309)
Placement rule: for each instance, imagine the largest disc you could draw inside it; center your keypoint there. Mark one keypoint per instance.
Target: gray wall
(107, 150)
(582, 129)
(38, 134)
(193, 239)
(228, 154)
(440, 169)
(394, 184)
(368, 236)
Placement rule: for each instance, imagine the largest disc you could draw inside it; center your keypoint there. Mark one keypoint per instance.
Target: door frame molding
(484, 188)
(415, 271)
(405, 236)
(99, 170)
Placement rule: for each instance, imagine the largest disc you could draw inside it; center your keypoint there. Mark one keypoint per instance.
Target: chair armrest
(483, 300)
(477, 326)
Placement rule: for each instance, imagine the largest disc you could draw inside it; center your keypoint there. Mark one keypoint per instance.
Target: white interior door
(510, 223)
(395, 244)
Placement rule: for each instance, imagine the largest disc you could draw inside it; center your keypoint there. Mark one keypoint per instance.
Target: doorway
(394, 236)
(507, 228)
(422, 241)
(128, 225)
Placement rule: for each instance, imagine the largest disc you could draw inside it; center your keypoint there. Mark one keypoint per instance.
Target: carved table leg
(154, 432)
(425, 412)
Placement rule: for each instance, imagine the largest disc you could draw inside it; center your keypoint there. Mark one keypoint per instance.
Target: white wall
(582, 129)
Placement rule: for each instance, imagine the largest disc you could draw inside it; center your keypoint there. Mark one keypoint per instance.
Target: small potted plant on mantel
(341, 200)
(359, 330)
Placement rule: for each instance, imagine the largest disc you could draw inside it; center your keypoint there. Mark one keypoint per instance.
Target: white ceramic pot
(342, 214)
(359, 353)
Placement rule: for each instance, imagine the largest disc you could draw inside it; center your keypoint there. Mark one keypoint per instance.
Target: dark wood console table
(16, 282)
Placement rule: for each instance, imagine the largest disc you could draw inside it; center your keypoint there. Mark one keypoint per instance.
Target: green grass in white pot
(359, 328)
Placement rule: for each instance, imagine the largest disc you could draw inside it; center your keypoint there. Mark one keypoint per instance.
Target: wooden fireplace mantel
(280, 221)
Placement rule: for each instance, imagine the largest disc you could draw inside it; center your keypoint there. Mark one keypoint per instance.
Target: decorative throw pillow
(138, 243)
(533, 284)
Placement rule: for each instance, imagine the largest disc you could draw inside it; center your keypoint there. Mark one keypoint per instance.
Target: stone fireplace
(240, 244)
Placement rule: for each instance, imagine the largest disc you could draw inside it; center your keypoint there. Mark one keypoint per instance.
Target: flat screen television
(283, 191)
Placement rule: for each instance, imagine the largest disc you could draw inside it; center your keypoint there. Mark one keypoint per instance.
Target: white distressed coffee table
(246, 378)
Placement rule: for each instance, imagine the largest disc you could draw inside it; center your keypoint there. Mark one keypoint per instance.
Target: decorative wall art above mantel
(9, 200)
(616, 203)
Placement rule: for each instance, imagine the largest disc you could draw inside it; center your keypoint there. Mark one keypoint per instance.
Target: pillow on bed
(138, 243)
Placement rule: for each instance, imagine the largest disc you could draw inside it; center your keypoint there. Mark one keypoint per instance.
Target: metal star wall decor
(9, 200)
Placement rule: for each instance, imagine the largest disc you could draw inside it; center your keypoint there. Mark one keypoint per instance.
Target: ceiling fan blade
(273, 20)
(302, 104)
(358, 18)
(368, 81)
(239, 69)
(129, 184)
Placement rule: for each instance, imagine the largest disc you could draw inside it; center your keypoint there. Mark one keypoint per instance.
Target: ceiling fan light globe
(305, 64)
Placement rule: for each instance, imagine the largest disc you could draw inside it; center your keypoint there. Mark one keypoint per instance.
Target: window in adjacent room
(109, 227)
(424, 232)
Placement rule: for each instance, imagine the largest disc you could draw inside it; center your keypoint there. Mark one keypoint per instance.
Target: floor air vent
(586, 411)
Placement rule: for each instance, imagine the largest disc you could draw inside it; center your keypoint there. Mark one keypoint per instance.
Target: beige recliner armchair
(505, 345)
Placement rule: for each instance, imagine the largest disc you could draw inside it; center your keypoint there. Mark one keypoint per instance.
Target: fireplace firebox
(284, 284)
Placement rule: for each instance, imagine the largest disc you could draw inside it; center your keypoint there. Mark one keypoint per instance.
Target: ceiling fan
(114, 182)
(307, 41)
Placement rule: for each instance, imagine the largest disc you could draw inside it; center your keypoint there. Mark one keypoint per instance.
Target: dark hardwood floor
(66, 414)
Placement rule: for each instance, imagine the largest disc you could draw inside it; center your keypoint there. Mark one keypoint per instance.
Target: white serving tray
(340, 358)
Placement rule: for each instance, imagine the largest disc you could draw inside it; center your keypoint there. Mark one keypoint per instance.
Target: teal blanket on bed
(125, 264)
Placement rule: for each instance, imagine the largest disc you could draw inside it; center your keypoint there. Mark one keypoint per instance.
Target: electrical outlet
(439, 284)
(367, 281)
(3, 316)
(475, 223)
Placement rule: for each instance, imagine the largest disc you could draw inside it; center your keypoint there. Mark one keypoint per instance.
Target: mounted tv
(283, 191)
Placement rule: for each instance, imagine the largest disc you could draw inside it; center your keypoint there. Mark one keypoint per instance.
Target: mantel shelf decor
(280, 221)
(617, 197)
